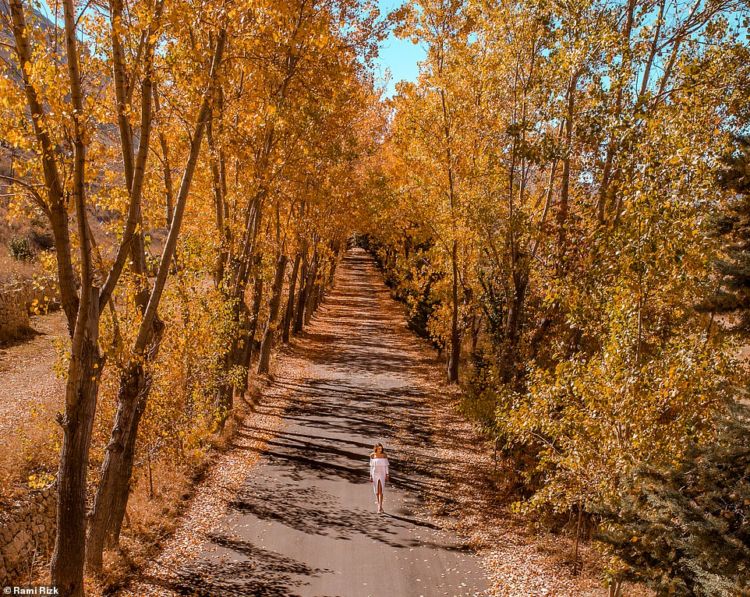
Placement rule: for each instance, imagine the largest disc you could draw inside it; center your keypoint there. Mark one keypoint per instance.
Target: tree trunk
(455, 345)
(334, 263)
(476, 327)
(563, 206)
(80, 405)
(615, 588)
(311, 288)
(310, 302)
(240, 353)
(112, 494)
(117, 468)
(254, 315)
(578, 538)
(84, 369)
(513, 326)
(289, 312)
(112, 483)
(318, 296)
(264, 359)
(299, 312)
(219, 188)
(58, 213)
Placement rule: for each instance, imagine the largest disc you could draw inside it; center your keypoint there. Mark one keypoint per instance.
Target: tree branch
(30, 189)
(145, 330)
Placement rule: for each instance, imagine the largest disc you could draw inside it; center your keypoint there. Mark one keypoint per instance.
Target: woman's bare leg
(380, 496)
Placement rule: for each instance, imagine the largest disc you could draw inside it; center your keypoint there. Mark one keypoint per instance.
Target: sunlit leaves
(584, 139)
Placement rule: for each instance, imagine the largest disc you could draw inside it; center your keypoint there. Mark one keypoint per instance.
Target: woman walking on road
(378, 473)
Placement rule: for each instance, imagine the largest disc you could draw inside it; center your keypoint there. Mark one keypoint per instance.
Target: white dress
(378, 472)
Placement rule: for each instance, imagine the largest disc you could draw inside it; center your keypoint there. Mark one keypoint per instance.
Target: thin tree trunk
(253, 324)
(299, 312)
(476, 327)
(311, 289)
(455, 341)
(289, 312)
(219, 188)
(246, 342)
(455, 336)
(318, 296)
(563, 206)
(514, 323)
(332, 271)
(166, 167)
(578, 537)
(264, 358)
(615, 588)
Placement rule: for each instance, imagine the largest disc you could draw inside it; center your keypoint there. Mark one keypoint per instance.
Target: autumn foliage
(184, 154)
(545, 194)
(541, 198)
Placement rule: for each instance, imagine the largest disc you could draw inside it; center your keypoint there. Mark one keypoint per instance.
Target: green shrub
(20, 249)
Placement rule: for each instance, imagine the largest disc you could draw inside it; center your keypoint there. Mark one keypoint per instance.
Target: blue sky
(399, 56)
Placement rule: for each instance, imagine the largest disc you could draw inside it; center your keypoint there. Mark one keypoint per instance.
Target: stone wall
(19, 299)
(27, 532)
(14, 312)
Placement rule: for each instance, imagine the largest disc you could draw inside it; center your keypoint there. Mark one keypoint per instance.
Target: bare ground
(30, 396)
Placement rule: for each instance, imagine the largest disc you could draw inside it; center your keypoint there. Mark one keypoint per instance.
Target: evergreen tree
(732, 226)
(685, 530)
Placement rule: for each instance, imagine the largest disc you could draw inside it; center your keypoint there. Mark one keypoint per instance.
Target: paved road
(305, 521)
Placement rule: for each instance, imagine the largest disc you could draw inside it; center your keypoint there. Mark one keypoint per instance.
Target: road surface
(304, 522)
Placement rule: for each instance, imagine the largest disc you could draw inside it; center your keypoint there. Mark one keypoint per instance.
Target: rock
(23, 539)
(11, 557)
(27, 528)
(5, 534)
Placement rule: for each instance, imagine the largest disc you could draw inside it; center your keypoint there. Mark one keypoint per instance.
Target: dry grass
(151, 519)
(33, 452)
(13, 270)
(10, 228)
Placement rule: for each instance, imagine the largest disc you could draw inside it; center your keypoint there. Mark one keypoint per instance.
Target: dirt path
(302, 521)
(27, 378)
(30, 393)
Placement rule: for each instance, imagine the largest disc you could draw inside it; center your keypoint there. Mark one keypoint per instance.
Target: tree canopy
(551, 199)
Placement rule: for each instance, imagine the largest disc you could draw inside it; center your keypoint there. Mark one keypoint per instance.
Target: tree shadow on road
(368, 382)
(256, 572)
